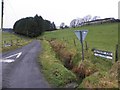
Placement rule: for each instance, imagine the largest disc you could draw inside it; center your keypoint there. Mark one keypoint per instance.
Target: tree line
(33, 26)
(88, 20)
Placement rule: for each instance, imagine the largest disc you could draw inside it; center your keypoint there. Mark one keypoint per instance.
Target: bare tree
(73, 23)
(62, 25)
(95, 18)
(79, 21)
(87, 18)
(82, 21)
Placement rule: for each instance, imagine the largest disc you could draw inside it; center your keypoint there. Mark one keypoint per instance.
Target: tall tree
(53, 26)
(62, 25)
(32, 26)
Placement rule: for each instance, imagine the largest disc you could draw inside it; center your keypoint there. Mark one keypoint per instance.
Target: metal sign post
(81, 34)
(82, 45)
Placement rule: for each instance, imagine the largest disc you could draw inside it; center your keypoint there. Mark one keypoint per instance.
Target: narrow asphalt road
(23, 71)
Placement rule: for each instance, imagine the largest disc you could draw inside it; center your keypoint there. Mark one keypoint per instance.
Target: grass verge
(102, 79)
(13, 40)
(15, 46)
(54, 71)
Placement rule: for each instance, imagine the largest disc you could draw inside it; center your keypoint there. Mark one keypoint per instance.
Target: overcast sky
(57, 10)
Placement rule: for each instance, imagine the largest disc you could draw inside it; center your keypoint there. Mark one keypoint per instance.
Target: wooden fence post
(86, 45)
(11, 43)
(63, 38)
(4, 42)
(74, 42)
(116, 53)
(17, 42)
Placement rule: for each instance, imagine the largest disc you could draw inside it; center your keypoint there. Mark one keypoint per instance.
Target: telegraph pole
(2, 14)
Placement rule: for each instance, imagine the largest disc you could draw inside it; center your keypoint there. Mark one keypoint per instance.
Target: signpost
(81, 34)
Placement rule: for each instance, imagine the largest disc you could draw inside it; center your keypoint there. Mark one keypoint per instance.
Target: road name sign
(104, 54)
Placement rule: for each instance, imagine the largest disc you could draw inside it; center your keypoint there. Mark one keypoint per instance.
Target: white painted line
(7, 60)
(17, 54)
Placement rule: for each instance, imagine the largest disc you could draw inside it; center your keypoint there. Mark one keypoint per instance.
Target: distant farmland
(13, 41)
(103, 36)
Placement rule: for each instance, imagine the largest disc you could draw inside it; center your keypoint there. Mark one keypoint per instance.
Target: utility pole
(2, 15)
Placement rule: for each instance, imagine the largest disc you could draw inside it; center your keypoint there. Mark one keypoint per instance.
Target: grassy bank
(64, 43)
(54, 71)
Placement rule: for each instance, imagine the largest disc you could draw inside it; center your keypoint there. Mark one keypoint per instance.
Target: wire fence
(17, 42)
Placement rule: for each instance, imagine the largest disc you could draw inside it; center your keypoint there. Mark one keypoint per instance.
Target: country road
(20, 68)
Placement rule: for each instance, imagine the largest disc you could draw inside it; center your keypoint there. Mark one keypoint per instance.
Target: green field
(58, 45)
(12, 39)
(102, 37)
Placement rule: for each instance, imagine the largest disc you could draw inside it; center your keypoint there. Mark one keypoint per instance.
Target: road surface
(20, 68)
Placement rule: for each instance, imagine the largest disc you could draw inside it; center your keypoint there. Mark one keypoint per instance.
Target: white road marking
(8, 60)
(17, 54)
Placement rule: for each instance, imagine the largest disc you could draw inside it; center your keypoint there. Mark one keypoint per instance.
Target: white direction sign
(8, 58)
(81, 34)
